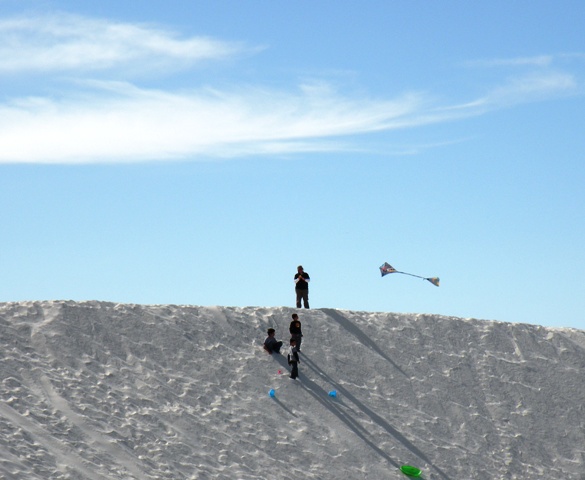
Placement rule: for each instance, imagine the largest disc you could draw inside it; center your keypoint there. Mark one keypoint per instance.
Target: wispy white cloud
(534, 61)
(87, 120)
(73, 43)
(515, 90)
(531, 87)
(120, 122)
(125, 123)
(530, 78)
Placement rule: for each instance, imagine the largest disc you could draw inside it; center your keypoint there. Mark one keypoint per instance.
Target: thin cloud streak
(69, 42)
(535, 61)
(533, 87)
(517, 90)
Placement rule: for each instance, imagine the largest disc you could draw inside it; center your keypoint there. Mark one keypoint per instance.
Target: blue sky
(197, 152)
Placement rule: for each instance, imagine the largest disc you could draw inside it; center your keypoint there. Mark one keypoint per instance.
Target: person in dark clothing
(302, 280)
(293, 359)
(271, 344)
(295, 330)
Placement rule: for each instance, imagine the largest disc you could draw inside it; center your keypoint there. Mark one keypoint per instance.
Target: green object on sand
(410, 470)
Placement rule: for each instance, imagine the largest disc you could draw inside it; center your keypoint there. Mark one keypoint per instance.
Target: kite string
(412, 275)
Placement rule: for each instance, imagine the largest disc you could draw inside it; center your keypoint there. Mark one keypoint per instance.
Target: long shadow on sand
(361, 336)
(322, 397)
(334, 407)
(281, 360)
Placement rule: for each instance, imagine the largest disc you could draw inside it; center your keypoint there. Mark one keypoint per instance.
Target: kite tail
(434, 280)
(411, 274)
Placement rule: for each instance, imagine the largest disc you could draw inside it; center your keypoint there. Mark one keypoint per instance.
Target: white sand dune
(96, 390)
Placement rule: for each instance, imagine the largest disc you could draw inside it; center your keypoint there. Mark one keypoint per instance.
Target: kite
(410, 471)
(387, 268)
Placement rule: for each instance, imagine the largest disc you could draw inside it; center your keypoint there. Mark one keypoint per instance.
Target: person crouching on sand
(271, 344)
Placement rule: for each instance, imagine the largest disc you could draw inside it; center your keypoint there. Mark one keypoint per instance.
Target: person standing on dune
(296, 332)
(302, 280)
(293, 359)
